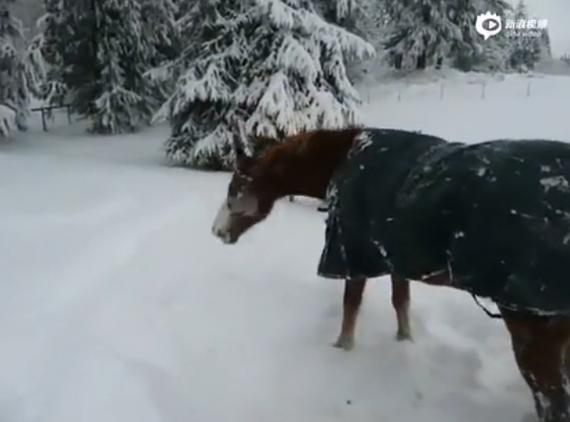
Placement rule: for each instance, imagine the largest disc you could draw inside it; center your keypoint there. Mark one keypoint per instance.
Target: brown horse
(303, 165)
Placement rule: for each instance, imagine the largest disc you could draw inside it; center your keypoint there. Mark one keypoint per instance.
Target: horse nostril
(219, 233)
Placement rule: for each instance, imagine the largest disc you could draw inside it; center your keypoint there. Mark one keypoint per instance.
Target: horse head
(250, 196)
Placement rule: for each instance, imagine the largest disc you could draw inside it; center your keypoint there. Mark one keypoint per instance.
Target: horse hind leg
(352, 299)
(401, 303)
(540, 345)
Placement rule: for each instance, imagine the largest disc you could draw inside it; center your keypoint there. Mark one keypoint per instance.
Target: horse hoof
(404, 336)
(345, 344)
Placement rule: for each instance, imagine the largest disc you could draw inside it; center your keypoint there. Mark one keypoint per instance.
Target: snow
(558, 182)
(7, 121)
(118, 304)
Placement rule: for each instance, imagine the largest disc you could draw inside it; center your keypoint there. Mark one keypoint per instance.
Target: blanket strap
(488, 312)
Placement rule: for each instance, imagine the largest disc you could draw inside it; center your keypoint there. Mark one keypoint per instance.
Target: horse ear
(239, 139)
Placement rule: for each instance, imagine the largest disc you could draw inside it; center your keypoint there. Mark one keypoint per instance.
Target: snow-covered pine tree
(18, 80)
(57, 41)
(463, 14)
(161, 30)
(545, 46)
(341, 12)
(473, 52)
(361, 17)
(184, 7)
(495, 52)
(69, 47)
(99, 51)
(159, 25)
(419, 32)
(275, 63)
(123, 98)
(525, 50)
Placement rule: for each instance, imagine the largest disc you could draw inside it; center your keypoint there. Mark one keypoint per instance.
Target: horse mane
(312, 142)
(304, 163)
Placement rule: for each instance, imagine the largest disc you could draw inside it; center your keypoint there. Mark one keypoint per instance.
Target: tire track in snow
(82, 289)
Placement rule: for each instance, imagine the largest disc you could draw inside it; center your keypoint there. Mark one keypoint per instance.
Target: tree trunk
(421, 61)
(398, 59)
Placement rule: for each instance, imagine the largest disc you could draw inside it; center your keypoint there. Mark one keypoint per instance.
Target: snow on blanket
(494, 216)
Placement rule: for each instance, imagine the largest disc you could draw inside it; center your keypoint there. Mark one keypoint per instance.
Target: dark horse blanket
(494, 217)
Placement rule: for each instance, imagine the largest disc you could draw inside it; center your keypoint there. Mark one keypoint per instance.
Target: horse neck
(305, 165)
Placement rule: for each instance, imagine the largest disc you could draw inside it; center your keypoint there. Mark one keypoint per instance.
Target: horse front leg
(401, 303)
(540, 345)
(353, 290)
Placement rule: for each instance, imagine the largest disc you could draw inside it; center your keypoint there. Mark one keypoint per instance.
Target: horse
(289, 178)
(489, 219)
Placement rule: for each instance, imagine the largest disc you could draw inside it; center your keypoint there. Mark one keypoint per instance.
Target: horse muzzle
(225, 236)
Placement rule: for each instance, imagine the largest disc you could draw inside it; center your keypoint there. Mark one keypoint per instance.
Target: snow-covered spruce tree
(341, 12)
(18, 78)
(184, 7)
(122, 100)
(419, 32)
(275, 63)
(525, 50)
(472, 51)
(545, 45)
(464, 49)
(364, 18)
(162, 33)
(70, 50)
(58, 44)
(99, 51)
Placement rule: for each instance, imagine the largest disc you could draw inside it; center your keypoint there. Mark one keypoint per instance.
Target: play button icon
(488, 24)
(492, 24)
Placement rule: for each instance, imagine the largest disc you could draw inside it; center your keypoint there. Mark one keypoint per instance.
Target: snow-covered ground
(118, 305)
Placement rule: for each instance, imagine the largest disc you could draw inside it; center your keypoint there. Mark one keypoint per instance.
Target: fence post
(44, 123)
(483, 90)
(441, 91)
(69, 114)
(528, 89)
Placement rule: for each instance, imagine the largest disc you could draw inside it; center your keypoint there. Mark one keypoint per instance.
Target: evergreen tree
(275, 63)
(185, 7)
(426, 32)
(161, 31)
(464, 49)
(99, 50)
(122, 97)
(420, 32)
(70, 49)
(545, 46)
(361, 17)
(525, 50)
(341, 12)
(18, 77)
(472, 51)
(57, 32)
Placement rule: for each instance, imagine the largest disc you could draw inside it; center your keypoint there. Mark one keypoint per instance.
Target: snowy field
(118, 305)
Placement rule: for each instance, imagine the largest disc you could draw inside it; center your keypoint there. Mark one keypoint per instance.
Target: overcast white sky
(558, 14)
